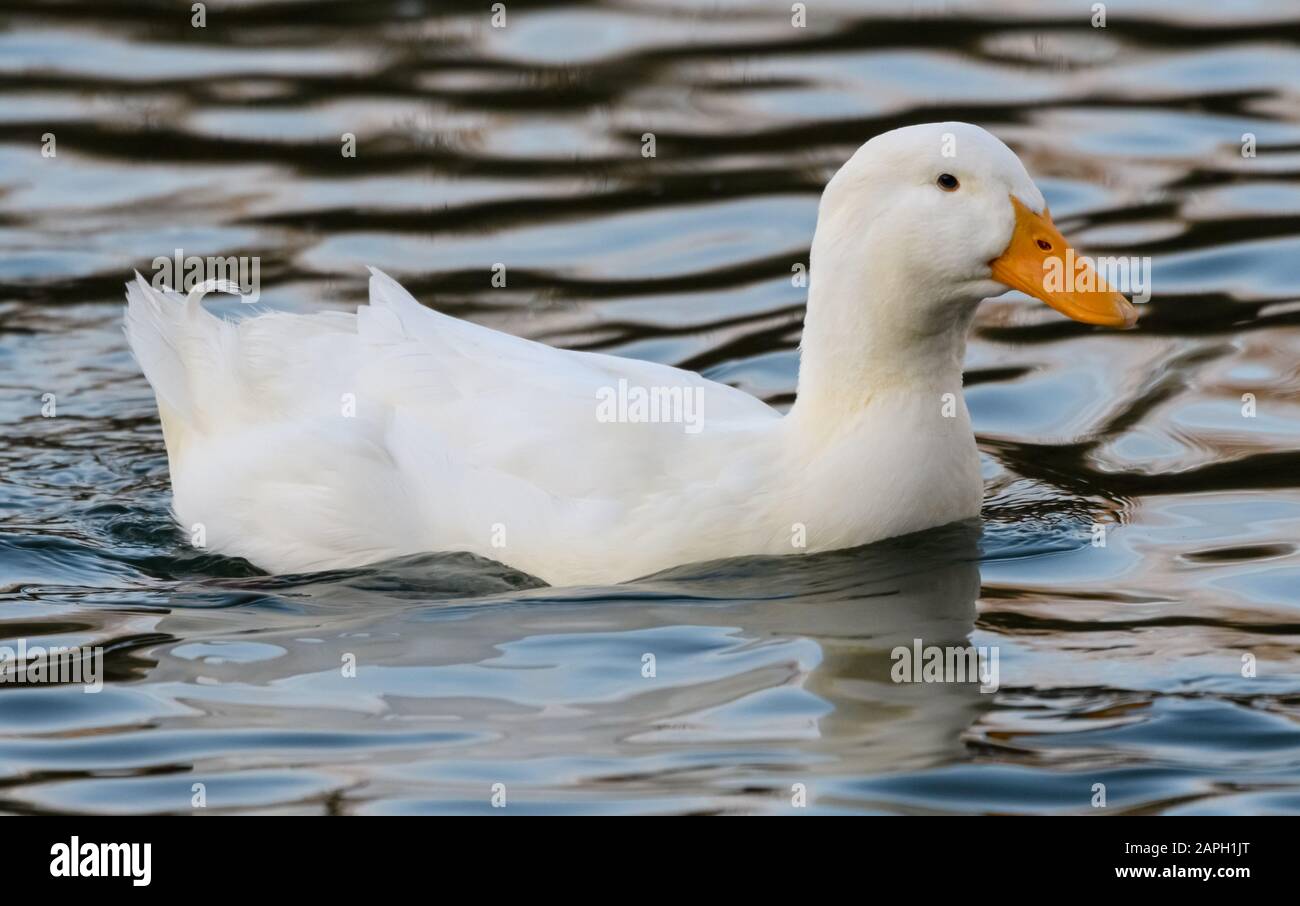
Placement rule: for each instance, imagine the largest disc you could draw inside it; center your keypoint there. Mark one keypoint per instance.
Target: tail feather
(171, 336)
(210, 373)
(156, 330)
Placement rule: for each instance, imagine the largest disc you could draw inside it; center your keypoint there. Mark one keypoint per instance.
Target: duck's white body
(306, 442)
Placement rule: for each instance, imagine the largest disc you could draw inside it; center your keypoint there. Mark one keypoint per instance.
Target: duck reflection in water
(803, 648)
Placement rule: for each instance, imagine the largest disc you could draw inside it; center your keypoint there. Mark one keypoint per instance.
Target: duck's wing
(339, 420)
(565, 421)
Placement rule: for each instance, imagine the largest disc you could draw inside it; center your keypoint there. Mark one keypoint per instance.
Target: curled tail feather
(171, 335)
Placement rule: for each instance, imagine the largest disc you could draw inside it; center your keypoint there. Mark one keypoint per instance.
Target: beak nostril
(1044, 245)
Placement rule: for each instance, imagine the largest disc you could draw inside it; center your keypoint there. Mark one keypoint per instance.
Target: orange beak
(1039, 262)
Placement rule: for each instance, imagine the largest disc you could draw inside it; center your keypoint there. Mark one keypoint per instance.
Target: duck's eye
(947, 182)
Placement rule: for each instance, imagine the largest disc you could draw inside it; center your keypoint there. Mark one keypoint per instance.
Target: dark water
(1120, 665)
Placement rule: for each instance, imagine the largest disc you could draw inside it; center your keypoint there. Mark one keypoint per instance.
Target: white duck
(305, 442)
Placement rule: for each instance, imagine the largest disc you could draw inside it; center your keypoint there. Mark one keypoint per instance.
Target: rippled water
(1119, 664)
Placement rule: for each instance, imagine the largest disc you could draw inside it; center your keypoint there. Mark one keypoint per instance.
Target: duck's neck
(865, 340)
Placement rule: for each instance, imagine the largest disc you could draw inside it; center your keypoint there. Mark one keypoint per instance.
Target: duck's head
(913, 231)
(930, 219)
